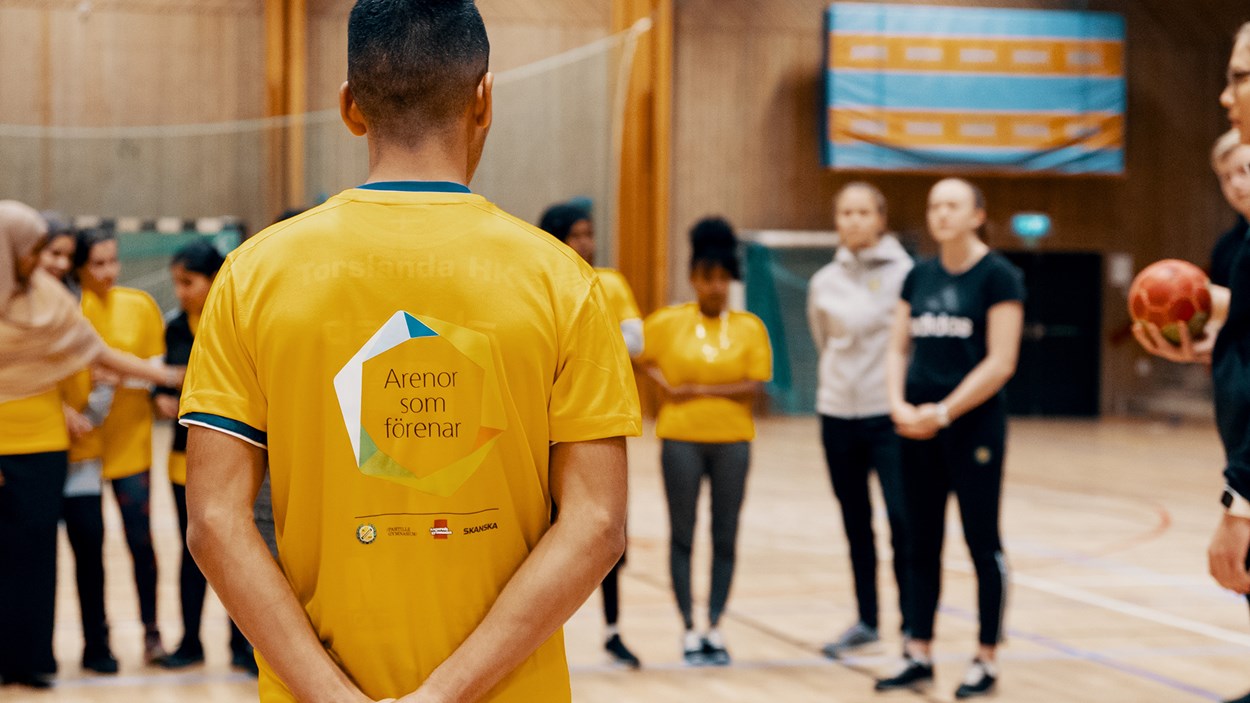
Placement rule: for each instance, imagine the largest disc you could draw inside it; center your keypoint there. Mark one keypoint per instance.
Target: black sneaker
(715, 654)
(1243, 699)
(979, 680)
(183, 657)
(620, 654)
(913, 674)
(856, 637)
(692, 650)
(100, 663)
(28, 679)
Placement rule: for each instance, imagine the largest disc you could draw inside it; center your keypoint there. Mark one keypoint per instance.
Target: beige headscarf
(43, 335)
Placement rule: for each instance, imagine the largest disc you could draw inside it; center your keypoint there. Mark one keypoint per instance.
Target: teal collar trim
(417, 186)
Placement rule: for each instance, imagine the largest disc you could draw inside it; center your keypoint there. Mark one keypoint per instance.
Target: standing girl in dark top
(193, 268)
(959, 320)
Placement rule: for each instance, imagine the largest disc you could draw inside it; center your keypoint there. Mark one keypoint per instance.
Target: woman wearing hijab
(43, 339)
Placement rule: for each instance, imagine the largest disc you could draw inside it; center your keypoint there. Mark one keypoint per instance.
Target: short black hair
(413, 65)
(199, 256)
(558, 220)
(713, 243)
(86, 239)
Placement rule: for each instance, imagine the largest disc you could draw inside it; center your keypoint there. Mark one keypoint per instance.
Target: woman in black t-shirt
(954, 345)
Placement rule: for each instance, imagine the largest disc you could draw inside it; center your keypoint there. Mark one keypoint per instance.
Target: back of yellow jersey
(407, 358)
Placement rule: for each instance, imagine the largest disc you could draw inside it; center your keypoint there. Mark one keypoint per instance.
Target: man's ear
(483, 104)
(350, 111)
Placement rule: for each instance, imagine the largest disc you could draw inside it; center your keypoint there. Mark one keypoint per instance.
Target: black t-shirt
(1225, 251)
(949, 321)
(1230, 360)
(178, 339)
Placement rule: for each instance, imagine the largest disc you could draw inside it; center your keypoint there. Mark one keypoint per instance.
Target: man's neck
(432, 161)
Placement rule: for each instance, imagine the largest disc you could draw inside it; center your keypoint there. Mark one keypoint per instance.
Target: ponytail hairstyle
(713, 243)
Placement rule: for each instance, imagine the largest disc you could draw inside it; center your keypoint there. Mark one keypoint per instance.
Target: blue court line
(1093, 657)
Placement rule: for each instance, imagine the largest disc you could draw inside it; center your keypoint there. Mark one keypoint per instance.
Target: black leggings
(133, 498)
(612, 593)
(853, 449)
(84, 524)
(967, 458)
(30, 509)
(685, 464)
(191, 587)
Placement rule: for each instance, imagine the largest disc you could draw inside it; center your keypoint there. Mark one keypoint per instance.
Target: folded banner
(920, 88)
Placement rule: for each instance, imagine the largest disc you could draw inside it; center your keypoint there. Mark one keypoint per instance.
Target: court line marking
(1140, 612)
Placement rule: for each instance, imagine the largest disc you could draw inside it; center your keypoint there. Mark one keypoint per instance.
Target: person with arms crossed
(430, 376)
(850, 305)
(710, 363)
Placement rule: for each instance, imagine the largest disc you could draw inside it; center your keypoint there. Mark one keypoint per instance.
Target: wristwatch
(943, 415)
(1234, 504)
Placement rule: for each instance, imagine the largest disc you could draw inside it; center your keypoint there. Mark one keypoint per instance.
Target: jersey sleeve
(594, 395)
(222, 391)
(760, 356)
(1005, 284)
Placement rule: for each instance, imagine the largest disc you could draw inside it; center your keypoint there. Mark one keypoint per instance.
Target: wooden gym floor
(1105, 522)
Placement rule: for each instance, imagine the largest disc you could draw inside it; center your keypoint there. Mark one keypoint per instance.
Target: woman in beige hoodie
(849, 308)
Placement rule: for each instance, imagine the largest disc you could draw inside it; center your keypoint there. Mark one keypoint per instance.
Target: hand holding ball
(1171, 293)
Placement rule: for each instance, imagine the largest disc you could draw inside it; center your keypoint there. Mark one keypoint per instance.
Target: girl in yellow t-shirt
(710, 363)
(129, 320)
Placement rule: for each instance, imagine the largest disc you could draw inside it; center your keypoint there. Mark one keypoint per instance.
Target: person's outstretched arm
(130, 365)
(223, 475)
(588, 483)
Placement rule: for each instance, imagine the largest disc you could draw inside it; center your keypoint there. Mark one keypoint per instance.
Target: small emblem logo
(983, 455)
(440, 530)
(366, 533)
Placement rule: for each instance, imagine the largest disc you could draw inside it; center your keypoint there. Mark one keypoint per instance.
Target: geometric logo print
(422, 403)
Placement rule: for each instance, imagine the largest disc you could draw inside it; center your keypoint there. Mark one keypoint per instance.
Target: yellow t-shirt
(688, 347)
(33, 425)
(408, 358)
(620, 297)
(129, 320)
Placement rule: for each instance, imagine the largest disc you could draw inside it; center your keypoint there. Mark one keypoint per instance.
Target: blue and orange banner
(914, 87)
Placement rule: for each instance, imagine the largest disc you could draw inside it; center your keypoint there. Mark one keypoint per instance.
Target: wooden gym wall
(748, 99)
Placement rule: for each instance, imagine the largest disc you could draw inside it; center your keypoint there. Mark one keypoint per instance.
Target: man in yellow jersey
(571, 223)
(429, 375)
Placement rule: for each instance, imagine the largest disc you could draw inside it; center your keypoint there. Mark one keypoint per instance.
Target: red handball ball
(1171, 293)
